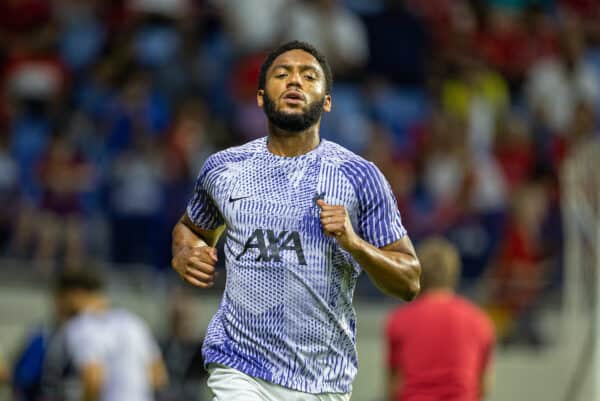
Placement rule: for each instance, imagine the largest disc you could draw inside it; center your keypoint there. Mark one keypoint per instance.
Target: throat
(293, 145)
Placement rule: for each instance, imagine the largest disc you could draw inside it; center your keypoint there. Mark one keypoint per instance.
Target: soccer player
(440, 345)
(114, 352)
(304, 217)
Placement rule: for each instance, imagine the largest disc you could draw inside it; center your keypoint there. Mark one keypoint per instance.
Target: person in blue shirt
(304, 218)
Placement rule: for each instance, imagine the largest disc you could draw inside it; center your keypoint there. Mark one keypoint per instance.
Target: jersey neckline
(310, 154)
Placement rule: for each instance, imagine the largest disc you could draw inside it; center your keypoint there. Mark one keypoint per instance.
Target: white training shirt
(123, 344)
(286, 316)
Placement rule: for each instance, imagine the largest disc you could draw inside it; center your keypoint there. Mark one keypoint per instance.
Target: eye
(282, 75)
(310, 77)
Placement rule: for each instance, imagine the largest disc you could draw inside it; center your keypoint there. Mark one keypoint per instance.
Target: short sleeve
(201, 208)
(150, 346)
(85, 343)
(379, 221)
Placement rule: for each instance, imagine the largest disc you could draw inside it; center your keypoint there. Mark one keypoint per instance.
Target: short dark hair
(296, 45)
(78, 279)
(440, 264)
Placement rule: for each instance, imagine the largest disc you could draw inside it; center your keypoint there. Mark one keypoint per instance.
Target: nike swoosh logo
(232, 199)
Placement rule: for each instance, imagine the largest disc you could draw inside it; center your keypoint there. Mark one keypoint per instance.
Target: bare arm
(158, 374)
(394, 384)
(194, 252)
(186, 234)
(487, 382)
(487, 379)
(394, 269)
(92, 380)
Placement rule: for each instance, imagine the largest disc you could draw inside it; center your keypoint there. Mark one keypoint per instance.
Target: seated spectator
(520, 271)
(64, 175)
(9, 193)
(136, 201)
(407, 63)
(515, 151)
(328, 25)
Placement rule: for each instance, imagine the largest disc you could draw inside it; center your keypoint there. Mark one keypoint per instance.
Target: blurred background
(472, 109)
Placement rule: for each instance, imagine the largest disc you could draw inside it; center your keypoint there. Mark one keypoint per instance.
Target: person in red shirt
(440, 346)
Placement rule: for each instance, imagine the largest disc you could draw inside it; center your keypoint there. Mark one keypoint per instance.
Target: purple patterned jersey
(286, 315)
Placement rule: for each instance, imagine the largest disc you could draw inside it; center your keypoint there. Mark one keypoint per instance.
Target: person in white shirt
(113, 350)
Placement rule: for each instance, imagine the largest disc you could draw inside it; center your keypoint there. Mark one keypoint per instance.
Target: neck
(439, 292)
(96, 304)
(282, 143)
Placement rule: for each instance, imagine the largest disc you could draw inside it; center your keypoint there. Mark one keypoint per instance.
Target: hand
(196, 265)
(336, 222)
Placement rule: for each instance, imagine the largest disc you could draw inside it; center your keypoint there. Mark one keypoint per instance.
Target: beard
(293, 122)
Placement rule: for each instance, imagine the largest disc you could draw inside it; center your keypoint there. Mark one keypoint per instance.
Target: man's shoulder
(83, 326)
(233, 154)
(81, 319)
(475, 312)
(345, 159)
(336, 153)
(104, 318)
(124, 318)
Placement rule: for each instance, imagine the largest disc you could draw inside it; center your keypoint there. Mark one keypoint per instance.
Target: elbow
(411, 284)
(406, 293)
(413, 290)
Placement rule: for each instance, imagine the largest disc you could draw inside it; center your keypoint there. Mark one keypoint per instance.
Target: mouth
(294, 97)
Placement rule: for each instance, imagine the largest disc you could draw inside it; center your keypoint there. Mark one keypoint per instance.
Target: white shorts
(228, 384)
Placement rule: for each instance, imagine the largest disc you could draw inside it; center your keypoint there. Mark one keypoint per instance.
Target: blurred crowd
(109, 108)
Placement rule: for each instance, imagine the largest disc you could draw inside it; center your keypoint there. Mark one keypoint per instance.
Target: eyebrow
(303, 67)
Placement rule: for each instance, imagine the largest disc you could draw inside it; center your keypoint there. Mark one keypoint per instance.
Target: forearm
(159, 377)
(394, 385)
(92, 378)
(185, 237)
(393, 272)
(91, 394)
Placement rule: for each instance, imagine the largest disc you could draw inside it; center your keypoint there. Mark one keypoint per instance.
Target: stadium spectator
(64, 175)
(407, 64)
(331, 27)
(113, 351)
(556, 85)
(521, 269)
(252, 26)
(440, 346)
(9, 193)
(136, 201)
(515, 151)
(42, 370)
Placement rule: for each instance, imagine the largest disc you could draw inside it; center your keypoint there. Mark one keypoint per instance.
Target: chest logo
(270, 244)
(237, 198)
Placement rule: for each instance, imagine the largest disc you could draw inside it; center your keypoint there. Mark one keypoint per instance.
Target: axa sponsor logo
(270, 245)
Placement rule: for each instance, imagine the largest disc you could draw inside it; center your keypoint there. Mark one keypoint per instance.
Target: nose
(294, 79)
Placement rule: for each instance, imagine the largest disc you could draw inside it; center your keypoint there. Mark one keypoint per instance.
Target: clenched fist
(336, 222)
(196, 265)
